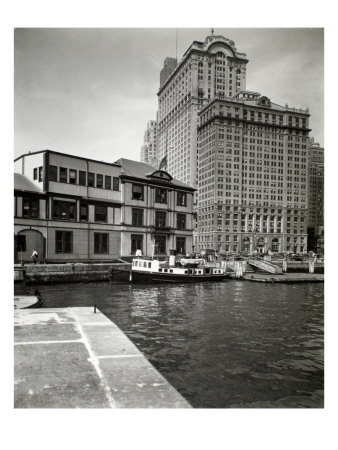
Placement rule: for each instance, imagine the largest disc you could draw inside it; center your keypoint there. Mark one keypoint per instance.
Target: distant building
(315, 223)
(148, 149)
(168, 68)
(207, 69)
(70, 208)
(252, 176)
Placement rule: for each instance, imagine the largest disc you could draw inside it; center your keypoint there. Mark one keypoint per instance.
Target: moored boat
(145, 270)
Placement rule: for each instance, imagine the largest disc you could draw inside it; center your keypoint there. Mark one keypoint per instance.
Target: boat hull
(146, 277)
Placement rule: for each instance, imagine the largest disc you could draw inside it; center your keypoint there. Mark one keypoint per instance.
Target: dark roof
(141, 170)
(23, 183)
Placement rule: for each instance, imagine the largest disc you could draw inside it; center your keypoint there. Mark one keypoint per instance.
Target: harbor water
(232, 344)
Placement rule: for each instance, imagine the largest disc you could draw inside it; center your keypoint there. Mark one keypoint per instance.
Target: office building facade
(209, 68)
(315, 223)
(252, 176)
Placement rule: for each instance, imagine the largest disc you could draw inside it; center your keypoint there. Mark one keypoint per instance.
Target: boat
(187, 270)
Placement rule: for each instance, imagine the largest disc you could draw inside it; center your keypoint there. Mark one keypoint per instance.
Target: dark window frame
(107, 182)
(161, 195)
(83, 218)
(101, 216)
(181, 199)
(135, 240)
(63, 241)
(82, 178)
(63, 175)
(116, 184)
(99, 180)
(33, 205)
(181, 222)
(161, 244)
(137, 217)
(137, 195)
(35, 173)
(179, 247)
(160, 219)
(91, 179)
(72, 180)
(101, 243)
(40, 174)
(63, 210)
(53, 173)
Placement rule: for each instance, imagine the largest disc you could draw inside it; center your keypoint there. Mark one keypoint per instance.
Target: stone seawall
(67, 273)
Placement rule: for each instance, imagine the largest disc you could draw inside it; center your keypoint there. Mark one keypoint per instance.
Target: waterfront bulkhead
(73, 209)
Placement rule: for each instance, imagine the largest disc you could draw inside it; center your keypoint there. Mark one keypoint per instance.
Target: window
(107, 182)
(40, 173)
(160, 245)
(160, 219)
(181, 221)
(136, 242)
(63, 175)
(30, 207)
(83, 213)
(137, 192)
(180, 245)
(160, 195)
(72, 176)
(21, 243)
(91, 179)
(53, 173)
(63, 210)
(82, 178)
(101, 242)
(99, 181)
(100, 213)
(181, 199)
(116, 184)
(137, 216)
(63, 241)
(35, 174)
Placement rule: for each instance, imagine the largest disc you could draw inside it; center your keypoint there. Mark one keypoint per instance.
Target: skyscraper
(207, 69)
(148, 149)
(252, 176)
(315, 223)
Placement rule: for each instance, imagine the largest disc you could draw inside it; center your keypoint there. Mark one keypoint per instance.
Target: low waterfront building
(70, 208)
(252, 176)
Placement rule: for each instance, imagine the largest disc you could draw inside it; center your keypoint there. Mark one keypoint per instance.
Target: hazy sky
(90, 92)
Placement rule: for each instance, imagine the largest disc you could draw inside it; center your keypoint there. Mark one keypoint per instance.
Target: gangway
(264, 266)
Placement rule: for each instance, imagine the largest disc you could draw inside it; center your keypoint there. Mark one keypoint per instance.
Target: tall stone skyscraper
(209, 69)
(253, 171)
(315, 223)
(148, 149)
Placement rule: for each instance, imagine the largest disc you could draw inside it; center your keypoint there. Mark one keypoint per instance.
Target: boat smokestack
(172, 258)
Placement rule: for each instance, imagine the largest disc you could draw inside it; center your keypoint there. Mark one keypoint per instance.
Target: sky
(91, 91)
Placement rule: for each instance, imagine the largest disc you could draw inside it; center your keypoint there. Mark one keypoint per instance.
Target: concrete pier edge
(76, 358)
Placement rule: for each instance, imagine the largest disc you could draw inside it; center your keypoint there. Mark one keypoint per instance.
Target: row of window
(63, 210)
(64, 243)
(161, 195)
(80, 177)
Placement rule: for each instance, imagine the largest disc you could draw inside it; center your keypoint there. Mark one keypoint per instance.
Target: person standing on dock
(35, 256)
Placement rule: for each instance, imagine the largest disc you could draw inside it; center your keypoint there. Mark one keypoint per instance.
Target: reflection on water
(232, 344)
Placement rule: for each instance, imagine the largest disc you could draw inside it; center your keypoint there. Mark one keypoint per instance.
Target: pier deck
(284, 278)
(75, 358)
